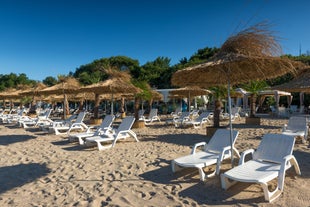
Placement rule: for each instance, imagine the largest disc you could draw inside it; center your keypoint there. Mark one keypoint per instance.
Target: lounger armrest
(224, 150)
(197, 145)
(244, 154)
(92, 128)
(284, 163)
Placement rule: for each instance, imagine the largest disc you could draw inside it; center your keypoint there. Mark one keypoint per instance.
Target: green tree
(254, 87)
(96, 70)
(218, 93)
(157, 73)
(50, 81)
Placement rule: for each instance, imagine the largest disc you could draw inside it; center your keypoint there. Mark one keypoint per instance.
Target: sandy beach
(40, 169)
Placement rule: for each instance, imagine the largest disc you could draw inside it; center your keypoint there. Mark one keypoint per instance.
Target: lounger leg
(101, 147)
(270, 196)
(175, 167)
(81, 141)
(296, 166)
(226, 182)
(201, 174)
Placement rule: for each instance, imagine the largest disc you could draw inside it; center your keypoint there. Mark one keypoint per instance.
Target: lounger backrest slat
(107, 121)
(221, 139)
(274, 147)
(126, 124)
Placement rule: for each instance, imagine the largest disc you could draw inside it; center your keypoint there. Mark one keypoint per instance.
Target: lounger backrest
(274, 147)
(107, 121)
(126, 124)
(297, 123)
(184, 115)
(46, 114)
(202, 116)
(221, 139)
(80, 117)
(153, 113)
(141, 112)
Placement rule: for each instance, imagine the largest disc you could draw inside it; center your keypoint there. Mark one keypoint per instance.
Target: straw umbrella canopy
(33, 92)
(67, 85)
(118, 83)
(251, 54)
(189, 92)
(10, 94)
(299, 84)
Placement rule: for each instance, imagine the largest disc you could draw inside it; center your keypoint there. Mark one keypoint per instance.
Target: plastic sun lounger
(296, 126)
(217, 150)
(123, 131)
(271, 160)
(104, 128)
(77, 125)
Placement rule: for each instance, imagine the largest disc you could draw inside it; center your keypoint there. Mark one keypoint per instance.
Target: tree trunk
(96, 107)
(32, 109)
(217, 111)
(253, 104)
(66, 106)
(137, 106)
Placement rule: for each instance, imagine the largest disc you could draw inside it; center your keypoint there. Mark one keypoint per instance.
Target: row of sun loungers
(267, 161)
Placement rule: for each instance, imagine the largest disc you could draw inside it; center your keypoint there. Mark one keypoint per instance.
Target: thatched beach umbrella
(10, 94)
(118, 83)
(33, 92)
(67, 85)
(251, 54)
(299, 84)
(189, 92)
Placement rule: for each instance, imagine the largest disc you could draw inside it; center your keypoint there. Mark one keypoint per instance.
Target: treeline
(156, 73)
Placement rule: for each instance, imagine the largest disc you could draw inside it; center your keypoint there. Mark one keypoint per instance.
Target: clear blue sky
(49, 37)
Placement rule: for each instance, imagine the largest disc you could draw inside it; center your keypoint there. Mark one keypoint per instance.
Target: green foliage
(270, 101)
(95, 71)
(157, 73)
(201, 56)
(255, 86)
(13, 80)
(146, 93)
(50, 81)
(219, 92)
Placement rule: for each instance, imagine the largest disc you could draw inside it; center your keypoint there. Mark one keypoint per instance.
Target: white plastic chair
(271, 160)
(217, 150)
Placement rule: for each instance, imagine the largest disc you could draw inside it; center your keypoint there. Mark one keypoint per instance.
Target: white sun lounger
(153, 116)
(104, 128)
(42, 119)
(214, 152)
(271, 160)
(202, 119)
(66, 129)
(296, 126)
(123, 131)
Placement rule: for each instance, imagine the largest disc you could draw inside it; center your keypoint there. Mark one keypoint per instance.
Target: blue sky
(50, 37)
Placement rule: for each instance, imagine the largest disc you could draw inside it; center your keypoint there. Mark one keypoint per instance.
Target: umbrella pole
(112, 106)
(230, 124)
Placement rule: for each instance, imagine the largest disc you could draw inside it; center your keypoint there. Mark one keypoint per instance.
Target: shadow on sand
(179, 139)
(19, 175)
(11, 139)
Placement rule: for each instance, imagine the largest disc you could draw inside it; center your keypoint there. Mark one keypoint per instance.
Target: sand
(39, 169)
